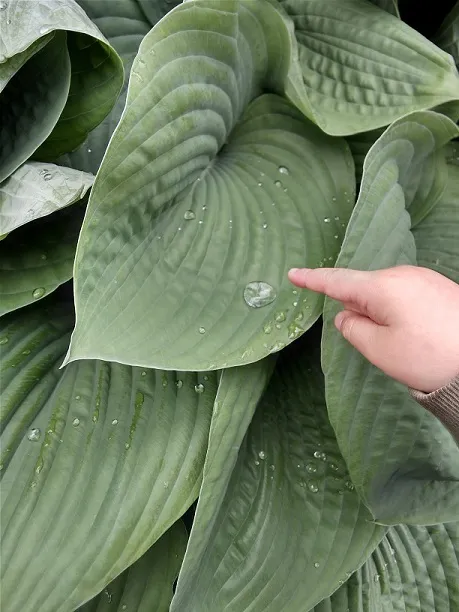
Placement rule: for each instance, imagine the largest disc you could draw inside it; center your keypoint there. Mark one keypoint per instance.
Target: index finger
(338, 283)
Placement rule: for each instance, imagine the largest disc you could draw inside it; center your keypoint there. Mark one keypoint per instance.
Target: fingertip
(296, 276)
(339, 319)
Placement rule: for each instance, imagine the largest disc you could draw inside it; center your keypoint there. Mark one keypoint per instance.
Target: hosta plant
(181, 428)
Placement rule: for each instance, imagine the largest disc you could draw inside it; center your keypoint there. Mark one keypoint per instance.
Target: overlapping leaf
(38, 257)
(290, 525)
(448, 36)
(59, 77)
(180, 222)
(364, 68)
(98, 460)
(35, 190)
(372, 415)
(414, 568)
(147, 585)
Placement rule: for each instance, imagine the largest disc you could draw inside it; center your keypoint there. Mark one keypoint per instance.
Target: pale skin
(405, 320)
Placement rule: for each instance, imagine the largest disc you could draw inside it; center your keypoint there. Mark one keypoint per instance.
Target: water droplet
(260, 184)
(8, 22)
(34, 434)
(179, 229)
(336, 236)
(189, 215)
(127, 445)
(299, 317)
(76, 422)
(124, 607)
(165, 484)
(334, 467)
(115, 422)
(77, 397)
(257, 462)
(26, 352)
(317, 454)
(283, 170)
(294, 331)
(48, 176)
(311, 468)
(143, 373)
(279, 317)
(199, 388)
(258, 294)
(278, 184)
(327, 220)
(202, 330)
(179, 384)
(349, 485)
(316, 564)
(392, 551)
(267, 328)
(337, 218)
(333, 199)
(43, 256)
(109, 595)
(376, 578)
(262, 455)
(89, 150)
(3, 6)
(277, 347)
(272, 468)
(313, 486)
(38, 293)
(264, 226)
(295, 303)
(4, 340)
(164, 382)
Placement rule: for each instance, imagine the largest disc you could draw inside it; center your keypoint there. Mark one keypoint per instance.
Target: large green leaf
(239, 391)
(147, 585)
(363, 68)
(38, 257)
(403, 462)
(412, 570)
(35, 190)
(98, 460)
(391, 6)
(32, 102)
(290, 526)
(359, 145)
(124, 25)
(187, 211)
(79, 58)
(437, 236)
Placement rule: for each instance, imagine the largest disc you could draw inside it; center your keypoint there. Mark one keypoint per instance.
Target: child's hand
(405, 320)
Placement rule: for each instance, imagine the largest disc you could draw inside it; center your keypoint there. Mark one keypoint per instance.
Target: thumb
(364, 334)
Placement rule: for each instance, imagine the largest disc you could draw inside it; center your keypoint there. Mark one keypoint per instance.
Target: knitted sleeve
(443, 403)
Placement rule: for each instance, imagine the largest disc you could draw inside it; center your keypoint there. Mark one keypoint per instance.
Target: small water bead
(257, 462)
(38, 293)
(189, 215)
(166, 484)
(202, 330)
(337, 218)
(34, 434)
(143, 373)
(278, 326)
(333, 199)
(283, 170)
(179, 229)
(294, 331)
(317, 454)
(316, 564)
(109, 595)
(200, 222)
(26, 352)
(295, 303)
(262, 455)
(334, 467)
(264, 226)
(299, 317)
(260, 184)
(43, 256)
(48, 176)
(8, 22)
(280, 317)
(272, 468)
(313, 486)
(199, 388)
(336, 236)
(179, 384)
(258, 294)
(278, 184)
(77, 397)
(76, 422)
(4, 340)
(115, 422)
(327, 220)
(278, 346)
(349, 485)
(311, 468)
(376, 577)
(124, 607)
(267, 328)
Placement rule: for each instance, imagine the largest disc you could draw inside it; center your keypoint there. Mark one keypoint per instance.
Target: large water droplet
(34, 434)
(76, 422)
(283, 170)
(262, 455)
(313, 486)
(189, 215)
(258, 294)
(199, 388)
(38, 293)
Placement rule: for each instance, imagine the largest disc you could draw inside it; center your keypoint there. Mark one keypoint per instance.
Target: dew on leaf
(313, 486)
(34, 434)
(258, 294)
(202, 330)
(199, 388)
(38, 293)
(262, 455)
(76, 422)
(189, 215)
(283, 170)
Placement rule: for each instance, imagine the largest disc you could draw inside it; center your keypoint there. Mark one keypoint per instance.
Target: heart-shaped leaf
(147, 585)
(226, 206)
(364, 68)
(98, 460)
(372, 415)
(290, 525)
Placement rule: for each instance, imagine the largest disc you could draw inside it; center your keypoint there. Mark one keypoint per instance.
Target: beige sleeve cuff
(443, 403)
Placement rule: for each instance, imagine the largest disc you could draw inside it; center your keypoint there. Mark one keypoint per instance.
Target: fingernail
(339, 319)
(293, 270)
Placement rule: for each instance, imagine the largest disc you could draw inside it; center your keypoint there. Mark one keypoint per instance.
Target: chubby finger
(338, 283)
